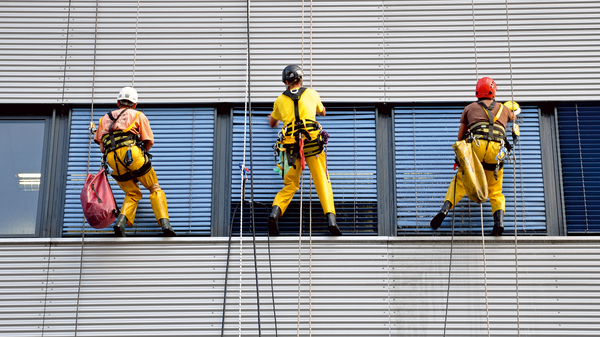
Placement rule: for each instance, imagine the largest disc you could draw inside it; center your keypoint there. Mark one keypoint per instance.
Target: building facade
(394, 76)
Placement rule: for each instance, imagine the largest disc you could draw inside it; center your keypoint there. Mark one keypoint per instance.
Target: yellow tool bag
(473, 175)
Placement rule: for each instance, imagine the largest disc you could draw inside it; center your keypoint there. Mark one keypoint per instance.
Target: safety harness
(491, 132)
(299, 129)
(116, 139)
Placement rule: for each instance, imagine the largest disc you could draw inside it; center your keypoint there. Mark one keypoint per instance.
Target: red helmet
(486, 88)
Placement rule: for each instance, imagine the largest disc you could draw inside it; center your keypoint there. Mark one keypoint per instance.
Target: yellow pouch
(473, 175)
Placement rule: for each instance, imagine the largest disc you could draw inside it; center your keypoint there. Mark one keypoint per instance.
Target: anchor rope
(87, 166)
(512, 95)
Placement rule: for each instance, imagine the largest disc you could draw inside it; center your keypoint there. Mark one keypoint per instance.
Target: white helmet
(128, 94)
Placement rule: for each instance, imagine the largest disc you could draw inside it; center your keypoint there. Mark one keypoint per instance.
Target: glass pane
(21, 146)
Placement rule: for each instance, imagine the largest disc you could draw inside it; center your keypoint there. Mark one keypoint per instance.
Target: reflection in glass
(21, 147)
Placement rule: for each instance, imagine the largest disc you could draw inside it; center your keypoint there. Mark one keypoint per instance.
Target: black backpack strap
(110, 128)
(295, 96)
(488, 110)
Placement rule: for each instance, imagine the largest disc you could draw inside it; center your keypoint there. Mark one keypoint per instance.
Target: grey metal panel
(347, 48)
(174, 287)
(362, 51)
(32, 50)
(430, 49)
(23, 283)
(187, 51)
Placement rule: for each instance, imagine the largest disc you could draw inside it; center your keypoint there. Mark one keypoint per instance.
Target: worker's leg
(497, 199)
(130, 203)
(158, 199)
(456, 190)
(290, 186)
(318, 170)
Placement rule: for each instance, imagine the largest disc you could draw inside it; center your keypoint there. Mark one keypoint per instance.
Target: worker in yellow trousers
(483, 123)
(125, 137)
(302, 143)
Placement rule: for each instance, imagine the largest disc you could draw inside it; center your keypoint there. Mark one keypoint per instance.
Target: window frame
(45, 171)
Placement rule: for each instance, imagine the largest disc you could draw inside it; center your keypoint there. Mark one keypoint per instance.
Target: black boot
(436, 222)
(333, 227)
(273, 221)
(119, 226)
(166, 227)
(498, 223)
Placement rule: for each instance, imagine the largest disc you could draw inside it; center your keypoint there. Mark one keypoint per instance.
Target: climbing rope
(300, 254)
(474, 39)
(301, 202)
(91, 127)
(137, 20)
(451, 251)
(581, 166)
(512, 95)
(243, 168)
(252, 174)
(487, 310)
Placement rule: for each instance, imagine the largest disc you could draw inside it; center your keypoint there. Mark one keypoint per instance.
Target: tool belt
(481, 130)
(118, 140)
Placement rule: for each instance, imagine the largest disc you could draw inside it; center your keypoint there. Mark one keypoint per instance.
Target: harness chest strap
(115, 139)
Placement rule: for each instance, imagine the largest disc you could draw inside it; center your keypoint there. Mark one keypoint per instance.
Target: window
(183, 159)
(21, 150)
(424, 160)
(351, 163)
(578, 127)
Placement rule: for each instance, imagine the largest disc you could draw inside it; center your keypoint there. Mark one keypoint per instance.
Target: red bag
(98, 202)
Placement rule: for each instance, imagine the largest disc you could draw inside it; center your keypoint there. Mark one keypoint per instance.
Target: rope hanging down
(512, 98)
(301, 200)
(487, 310)
(91, 128)
(244, 177)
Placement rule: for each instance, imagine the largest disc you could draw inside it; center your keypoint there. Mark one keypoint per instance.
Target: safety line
(474, 39)
(300, 253)
(581, 166)
(227, 270)
(487, 309)
(190, 200)
(310, 188)
(88, 165)
(310, 260)
(301, 194)
(272, 288)
(451, 252)
(389, 294)
(252, 172)
(137, 19)
(512, 95)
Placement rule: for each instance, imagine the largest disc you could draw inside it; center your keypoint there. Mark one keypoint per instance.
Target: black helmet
(292, 73)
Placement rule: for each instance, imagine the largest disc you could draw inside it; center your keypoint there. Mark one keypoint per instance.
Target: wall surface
(349, 286)
(84, 51)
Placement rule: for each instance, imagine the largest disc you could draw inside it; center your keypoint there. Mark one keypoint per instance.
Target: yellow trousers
(158, 199)
(318, 170)
(494, 186)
